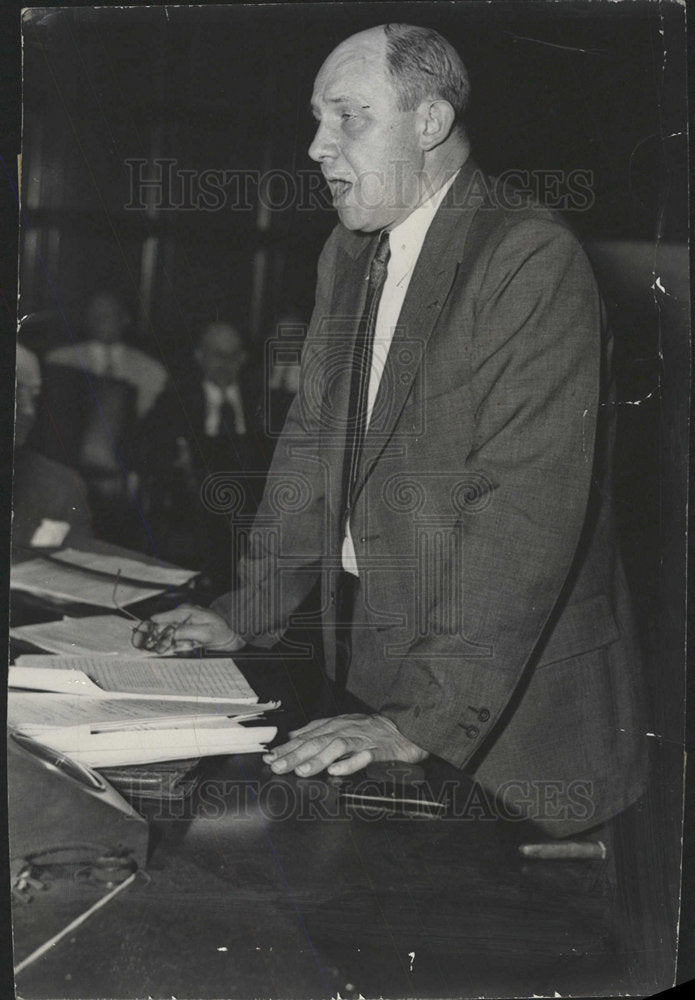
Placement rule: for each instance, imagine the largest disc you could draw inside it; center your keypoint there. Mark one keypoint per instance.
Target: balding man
(452, 454)
(211, 405)
(221, 355)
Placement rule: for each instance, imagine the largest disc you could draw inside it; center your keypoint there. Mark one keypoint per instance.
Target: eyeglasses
(147, 634)
(155, 638)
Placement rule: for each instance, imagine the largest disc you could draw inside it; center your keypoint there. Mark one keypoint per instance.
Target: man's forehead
(222, 338)
(104, 303)
(356, 69)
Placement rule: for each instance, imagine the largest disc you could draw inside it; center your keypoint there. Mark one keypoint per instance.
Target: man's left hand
(343, 745)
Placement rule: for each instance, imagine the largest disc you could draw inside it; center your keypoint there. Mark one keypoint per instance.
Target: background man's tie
(361, 369)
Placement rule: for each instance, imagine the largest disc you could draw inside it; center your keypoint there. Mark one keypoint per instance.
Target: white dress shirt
(215, 397)
(120, 361)
(405, 242)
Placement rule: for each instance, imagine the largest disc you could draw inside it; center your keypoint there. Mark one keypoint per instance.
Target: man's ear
(436, 120)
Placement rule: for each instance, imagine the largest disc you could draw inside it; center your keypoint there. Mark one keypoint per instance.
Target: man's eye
(345, 115)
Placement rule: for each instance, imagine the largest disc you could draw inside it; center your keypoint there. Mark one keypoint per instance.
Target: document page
(31, 711)
(131, 568)
(69, 583)
(111, 634)
(101, 732)
(216, 678)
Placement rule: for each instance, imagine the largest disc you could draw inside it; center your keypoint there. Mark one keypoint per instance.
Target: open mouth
(339, 187)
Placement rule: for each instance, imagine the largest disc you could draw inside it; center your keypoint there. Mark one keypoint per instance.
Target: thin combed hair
(424, 65)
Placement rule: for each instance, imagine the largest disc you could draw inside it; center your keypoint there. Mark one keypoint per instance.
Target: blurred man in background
(105, 352)
(49, 498)
(208, 420)
(283, 354)
(95, 391)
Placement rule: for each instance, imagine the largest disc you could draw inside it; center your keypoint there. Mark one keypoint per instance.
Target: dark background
(555, 87)
(595, 86)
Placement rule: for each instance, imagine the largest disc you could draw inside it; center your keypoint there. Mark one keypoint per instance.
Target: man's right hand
(196, 627)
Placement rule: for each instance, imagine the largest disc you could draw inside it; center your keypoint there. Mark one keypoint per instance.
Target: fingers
(308, 757)
(295, 751)
(320, 743)
(342, 745)
(179, 614)
(196, 627)
(193, 635)
(332, 751)
(353, 763)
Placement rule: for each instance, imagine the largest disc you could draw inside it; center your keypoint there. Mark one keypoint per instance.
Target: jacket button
(470, 731)
(483, 714)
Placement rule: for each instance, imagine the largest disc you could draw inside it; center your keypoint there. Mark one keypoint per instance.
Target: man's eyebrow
(339, 100)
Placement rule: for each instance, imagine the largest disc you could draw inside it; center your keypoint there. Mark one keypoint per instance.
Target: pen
(166, 722)
(568, 850)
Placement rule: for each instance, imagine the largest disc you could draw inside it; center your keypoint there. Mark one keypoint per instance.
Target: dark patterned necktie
(361, 370)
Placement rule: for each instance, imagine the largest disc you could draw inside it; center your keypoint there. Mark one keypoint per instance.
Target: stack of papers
(105, 713)
(70, 583)
(105, 703)
(89, 577)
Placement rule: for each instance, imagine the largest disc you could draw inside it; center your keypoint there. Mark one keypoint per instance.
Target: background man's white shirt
(215, 397)
(119, 361)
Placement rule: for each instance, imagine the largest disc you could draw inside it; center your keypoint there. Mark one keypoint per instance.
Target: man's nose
(323, 146)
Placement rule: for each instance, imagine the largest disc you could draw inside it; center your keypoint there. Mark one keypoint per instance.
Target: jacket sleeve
(284, 548)
(534, 391)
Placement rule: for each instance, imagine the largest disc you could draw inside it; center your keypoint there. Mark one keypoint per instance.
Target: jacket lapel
(433, 276)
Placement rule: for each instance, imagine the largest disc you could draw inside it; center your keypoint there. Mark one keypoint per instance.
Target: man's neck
(438, 172)
(435, 174)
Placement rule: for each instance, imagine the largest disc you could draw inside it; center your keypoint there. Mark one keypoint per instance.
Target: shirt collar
(112, 351)
(217, 396)
(406, 239)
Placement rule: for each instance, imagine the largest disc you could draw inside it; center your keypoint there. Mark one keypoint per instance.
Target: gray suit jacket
(494, 626)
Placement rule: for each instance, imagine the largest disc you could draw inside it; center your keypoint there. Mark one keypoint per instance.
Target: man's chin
(356, 221)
